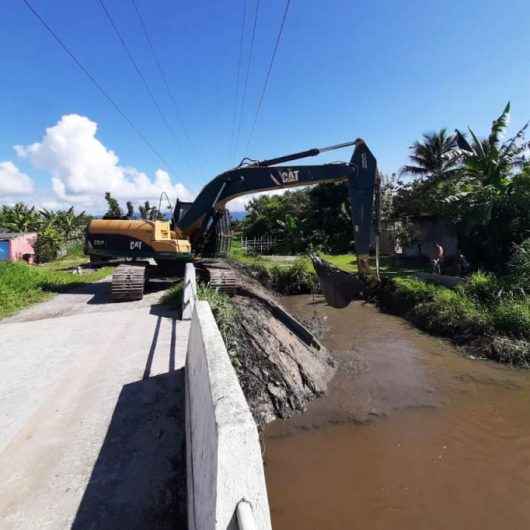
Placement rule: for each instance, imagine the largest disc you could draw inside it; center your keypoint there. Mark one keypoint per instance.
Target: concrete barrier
(189, 295)
(224, 463)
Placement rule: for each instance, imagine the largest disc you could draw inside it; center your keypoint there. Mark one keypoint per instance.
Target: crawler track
(128, 282)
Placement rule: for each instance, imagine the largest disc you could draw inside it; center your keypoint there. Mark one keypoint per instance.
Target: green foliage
(484, 190)
(226, 315)
(319, 217)
(513, 318)
(22, 285)
(19, 218)
(150, 212)
(434, 157)
(474, 309)
(173, 296)
(450, 313)
(519, 268)
(295, 279)
(48, 244)
(401, 295)
(482, 288)
(113, 208)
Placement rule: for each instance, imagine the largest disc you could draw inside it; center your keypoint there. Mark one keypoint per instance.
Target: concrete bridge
(93, 432)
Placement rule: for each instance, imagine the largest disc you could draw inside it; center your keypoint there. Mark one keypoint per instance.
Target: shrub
(450, 313)
(47, 245)
(519, 267)
(226, 315)
(513, 318)
(401, 295)
(295, 279)
(482, 288)
(173, 296)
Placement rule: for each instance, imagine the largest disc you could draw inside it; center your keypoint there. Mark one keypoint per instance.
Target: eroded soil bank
(411, 434)
(280, 371)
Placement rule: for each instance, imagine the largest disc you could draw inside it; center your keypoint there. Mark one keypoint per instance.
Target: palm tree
(434, 158)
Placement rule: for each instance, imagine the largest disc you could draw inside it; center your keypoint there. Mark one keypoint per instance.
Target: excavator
(196, 228)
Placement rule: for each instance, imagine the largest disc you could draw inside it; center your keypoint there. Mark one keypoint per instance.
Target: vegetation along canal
(411, 434)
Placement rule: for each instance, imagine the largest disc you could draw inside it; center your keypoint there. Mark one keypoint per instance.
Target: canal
(411, 434)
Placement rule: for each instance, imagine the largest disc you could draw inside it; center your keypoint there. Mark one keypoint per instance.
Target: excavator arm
(266, 175)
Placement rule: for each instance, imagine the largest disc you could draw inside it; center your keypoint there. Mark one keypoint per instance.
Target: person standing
(437, 258)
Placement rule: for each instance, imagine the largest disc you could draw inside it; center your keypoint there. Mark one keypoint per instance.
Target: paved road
(92, 415)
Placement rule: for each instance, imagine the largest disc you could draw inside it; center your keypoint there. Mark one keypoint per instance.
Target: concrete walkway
(92, 416)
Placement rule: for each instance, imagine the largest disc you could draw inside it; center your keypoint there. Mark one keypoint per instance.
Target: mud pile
(280, 364)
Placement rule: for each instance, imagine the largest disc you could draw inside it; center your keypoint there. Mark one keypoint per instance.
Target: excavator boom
(360, 172)
(196, 223)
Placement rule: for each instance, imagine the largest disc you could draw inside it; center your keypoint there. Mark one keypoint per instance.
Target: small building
(17, 246)
(429, 230)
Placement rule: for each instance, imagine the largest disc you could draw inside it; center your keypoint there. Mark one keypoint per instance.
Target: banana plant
(490, 162)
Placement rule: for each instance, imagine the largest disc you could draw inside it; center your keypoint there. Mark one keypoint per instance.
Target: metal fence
(260, 245)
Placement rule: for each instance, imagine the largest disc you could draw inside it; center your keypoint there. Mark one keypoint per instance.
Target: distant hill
(238, 216)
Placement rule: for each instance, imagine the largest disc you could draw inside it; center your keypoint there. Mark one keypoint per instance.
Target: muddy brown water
(411, 435)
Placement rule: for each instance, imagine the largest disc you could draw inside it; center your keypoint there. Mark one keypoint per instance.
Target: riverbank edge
(468, 328)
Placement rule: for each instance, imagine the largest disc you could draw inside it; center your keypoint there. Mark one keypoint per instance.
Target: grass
(346, 262)
(173, 296)
(226, 314)
(22, 285)
(478, 309)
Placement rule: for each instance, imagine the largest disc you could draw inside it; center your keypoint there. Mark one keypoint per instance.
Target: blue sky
(385, 70)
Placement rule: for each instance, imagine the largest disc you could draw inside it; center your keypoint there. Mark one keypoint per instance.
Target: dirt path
(92, 418)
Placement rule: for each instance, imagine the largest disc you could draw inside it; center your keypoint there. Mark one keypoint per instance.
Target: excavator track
(220, 276)
(128, 282)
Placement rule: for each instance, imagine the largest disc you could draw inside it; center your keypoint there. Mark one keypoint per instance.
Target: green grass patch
(226, 314)
(173, 296)
(22, 285)
(512, 318)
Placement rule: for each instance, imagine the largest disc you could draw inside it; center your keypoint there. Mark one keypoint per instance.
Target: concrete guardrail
(226, 481)
(189, 295)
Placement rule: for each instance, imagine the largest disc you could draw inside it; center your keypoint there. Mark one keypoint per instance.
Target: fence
(261, 245)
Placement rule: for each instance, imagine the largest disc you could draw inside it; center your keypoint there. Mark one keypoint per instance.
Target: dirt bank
(281, 366)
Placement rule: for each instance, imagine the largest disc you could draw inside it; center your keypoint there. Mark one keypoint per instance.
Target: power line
(253, 38)
(137, 68)
(161, 70)
(238, 75)
(267, 78)
(96, 83)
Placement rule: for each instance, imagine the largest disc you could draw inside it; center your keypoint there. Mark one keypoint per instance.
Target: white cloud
(13, 181)
(83, 169)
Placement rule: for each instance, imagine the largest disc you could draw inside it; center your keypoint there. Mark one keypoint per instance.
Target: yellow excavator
(200, 228)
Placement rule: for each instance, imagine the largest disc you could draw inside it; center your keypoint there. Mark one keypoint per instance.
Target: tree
(20, 218)
(145, 210)
(114, 211)
(130, 210)
(434, 158)
(490, 161)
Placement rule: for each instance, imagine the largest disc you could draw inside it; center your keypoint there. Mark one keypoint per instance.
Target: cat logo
(289, 176)
(135, 245)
